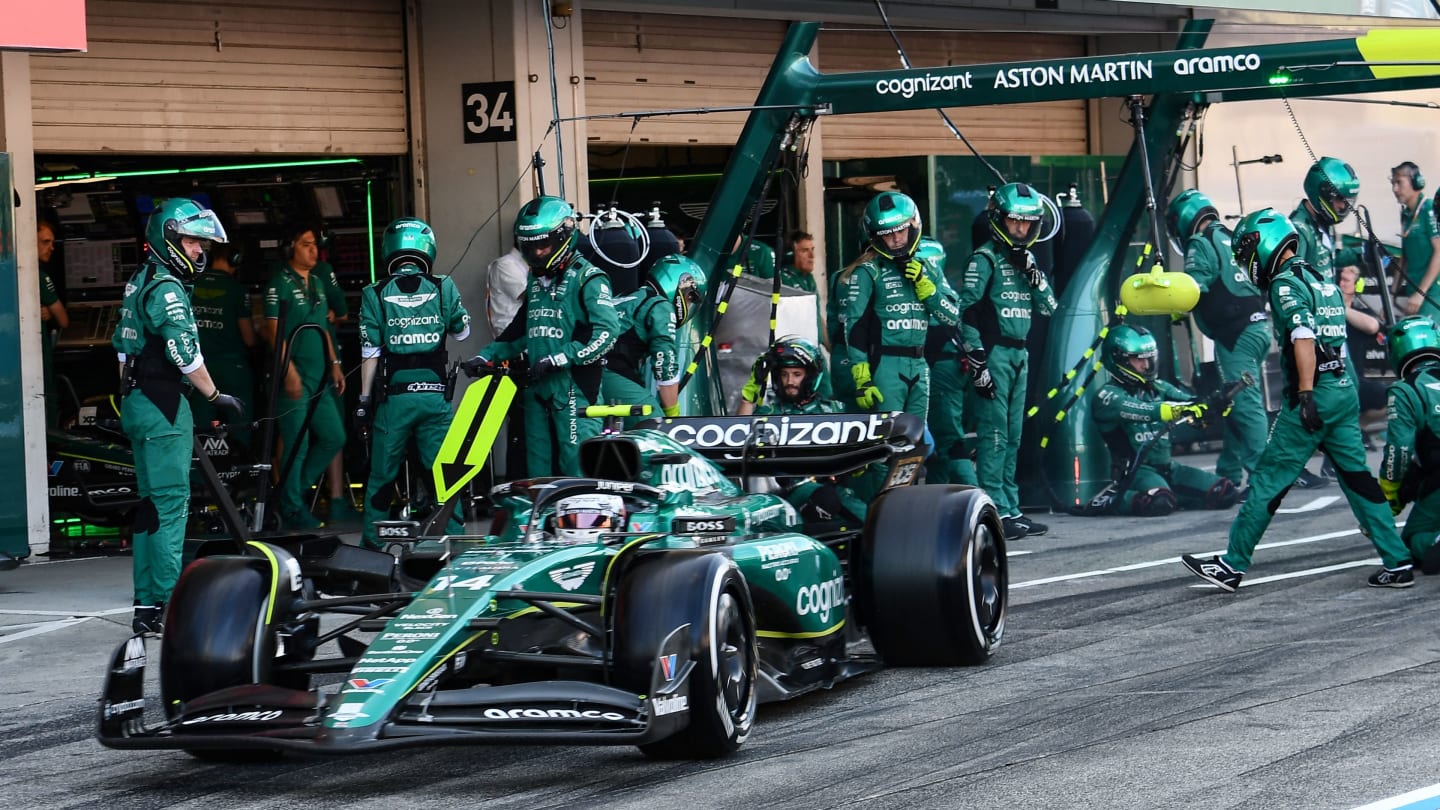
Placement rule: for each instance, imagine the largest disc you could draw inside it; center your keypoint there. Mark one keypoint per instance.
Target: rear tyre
(706, 591)
(216, 637)
(932, 581)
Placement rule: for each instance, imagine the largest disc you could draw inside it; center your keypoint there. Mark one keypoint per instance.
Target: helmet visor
(584, 520)
(1143, 364)
(1022, 230)
(687, 298)
(540, 251)
(202, 224)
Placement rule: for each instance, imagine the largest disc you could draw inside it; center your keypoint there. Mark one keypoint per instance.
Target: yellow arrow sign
(472, 432)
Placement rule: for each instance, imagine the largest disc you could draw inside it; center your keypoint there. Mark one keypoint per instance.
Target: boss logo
(703, 525)
(394, 530)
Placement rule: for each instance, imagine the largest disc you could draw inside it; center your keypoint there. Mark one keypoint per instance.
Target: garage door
(659, 61)
(325, 76)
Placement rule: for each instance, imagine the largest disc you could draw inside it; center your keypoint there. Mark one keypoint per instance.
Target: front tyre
(216, 636)
(932, 583)
(707, 592)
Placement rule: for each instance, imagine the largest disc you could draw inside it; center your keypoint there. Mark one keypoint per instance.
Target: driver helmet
(583, 518)
(173, 220)
(408, 242)
(1020, 202)
(1123, 346)
(794, 352)
(1261, 238)
(1331, 186)
(891, 212)
(546, 235)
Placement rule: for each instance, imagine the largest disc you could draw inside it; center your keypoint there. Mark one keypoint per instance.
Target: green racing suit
(569, 322)
(644, 354)
(883, 323)
(1231, 313)
(1308, 305)
(1410, 466)
(998, 303)
(843, 501)
(1317, 246)
(219, 301)
(1129, 419)
(403, 321)
(155, 338)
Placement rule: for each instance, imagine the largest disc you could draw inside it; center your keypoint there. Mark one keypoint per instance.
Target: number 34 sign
(489, 111)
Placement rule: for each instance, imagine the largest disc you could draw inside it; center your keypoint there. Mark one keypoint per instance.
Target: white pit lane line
(1427, 798)
(1316, 538)
(43, 628)
(1314, 505)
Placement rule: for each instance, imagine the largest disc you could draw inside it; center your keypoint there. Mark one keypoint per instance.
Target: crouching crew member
(1410, 468)
(1132, 411)
(566, 328)
(796, 369)
(1321, 409)
(403, 386)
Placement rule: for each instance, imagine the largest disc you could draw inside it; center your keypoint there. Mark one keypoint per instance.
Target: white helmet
(583, 518)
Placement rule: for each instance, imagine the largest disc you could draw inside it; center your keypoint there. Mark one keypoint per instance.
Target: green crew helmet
(408, 242)
(1260, 240)
(796, 352)
(932, 253)
(679, 280)
(1187, 211)
(1130, 355)
(1016, 212)
(174, 220)
(892, 213)
(546, 234)
(1331, 186)
(1412, 341)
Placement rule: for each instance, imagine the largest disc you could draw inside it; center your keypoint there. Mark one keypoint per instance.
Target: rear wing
(797, 445)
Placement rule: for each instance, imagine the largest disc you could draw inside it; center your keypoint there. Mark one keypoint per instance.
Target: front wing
(266, 717)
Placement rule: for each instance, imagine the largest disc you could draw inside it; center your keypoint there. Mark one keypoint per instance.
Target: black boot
(147, 619)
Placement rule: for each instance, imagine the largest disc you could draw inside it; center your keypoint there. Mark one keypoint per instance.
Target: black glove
(364, 414)
(474, 366)
(547, 365)
(1309, 414)
(1033, 275)
(977, 363)
(229, 403)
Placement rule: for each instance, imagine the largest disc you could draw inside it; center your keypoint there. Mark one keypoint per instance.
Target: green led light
(1280, 78)
(59, 178)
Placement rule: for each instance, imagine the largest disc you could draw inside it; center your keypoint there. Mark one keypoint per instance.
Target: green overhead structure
(1176, 82)
(14, 525)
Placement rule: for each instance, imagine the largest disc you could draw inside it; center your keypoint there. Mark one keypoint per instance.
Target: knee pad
(1156, 502)
(1222, 495)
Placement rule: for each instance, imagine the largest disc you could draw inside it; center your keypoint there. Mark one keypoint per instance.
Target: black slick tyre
(706, 591)
(932, 581)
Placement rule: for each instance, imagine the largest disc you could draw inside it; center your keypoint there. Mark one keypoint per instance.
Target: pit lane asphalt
(1123, 682)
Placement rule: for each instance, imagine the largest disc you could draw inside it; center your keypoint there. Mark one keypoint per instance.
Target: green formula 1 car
(664, 630)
